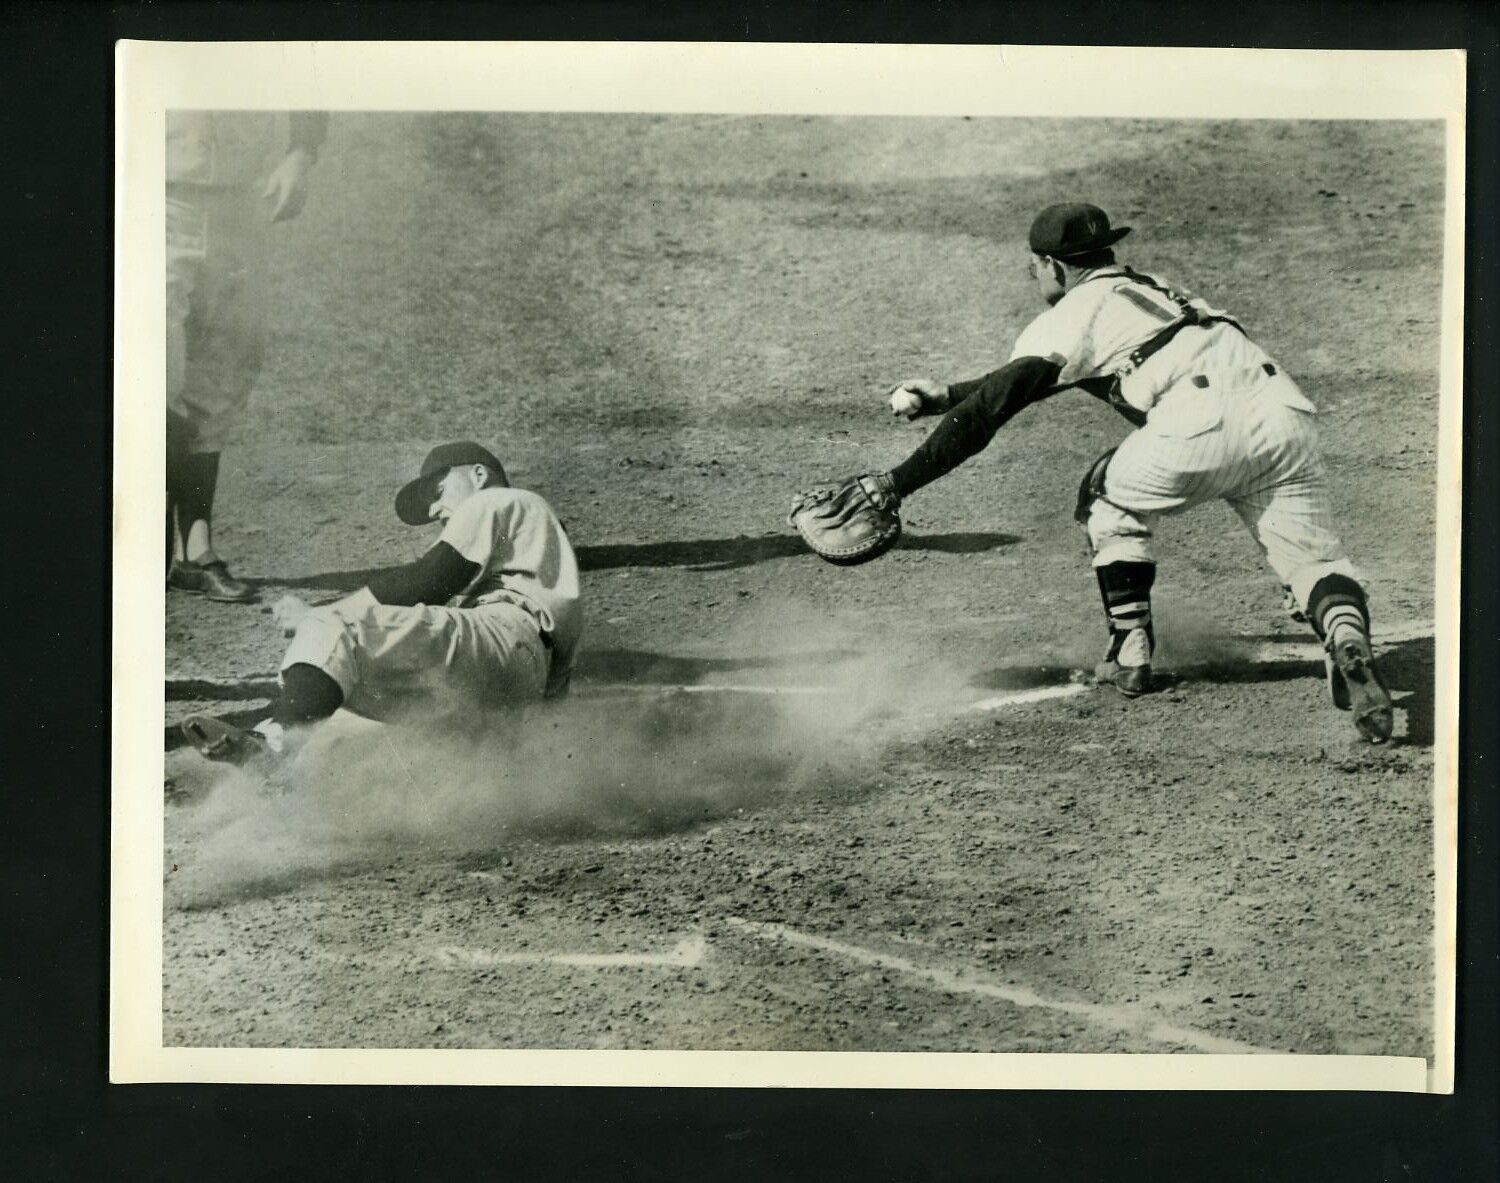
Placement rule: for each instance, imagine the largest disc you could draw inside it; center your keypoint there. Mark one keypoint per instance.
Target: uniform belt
(543, 631)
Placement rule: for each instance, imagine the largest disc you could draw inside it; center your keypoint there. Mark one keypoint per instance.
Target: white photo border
(728, 78)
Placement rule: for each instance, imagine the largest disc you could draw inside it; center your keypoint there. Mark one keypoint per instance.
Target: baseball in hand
(907, 403)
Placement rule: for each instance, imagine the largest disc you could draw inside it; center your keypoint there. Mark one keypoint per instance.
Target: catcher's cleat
(1127, 665)
(1354, 683)
(225, 743)
(211, 580)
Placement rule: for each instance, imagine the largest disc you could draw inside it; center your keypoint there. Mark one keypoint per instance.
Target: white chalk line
(699, 688)
(1292, 650)
(686, 954)
(1117, 1018)
(1036, 694)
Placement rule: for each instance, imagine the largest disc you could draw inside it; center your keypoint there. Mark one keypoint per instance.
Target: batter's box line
(688, 953)
(1117, 1018)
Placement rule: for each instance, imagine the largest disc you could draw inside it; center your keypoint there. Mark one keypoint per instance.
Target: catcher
(1214, 417)
(488, 617)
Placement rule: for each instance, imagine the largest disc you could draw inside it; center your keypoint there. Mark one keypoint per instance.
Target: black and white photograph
(851, 568)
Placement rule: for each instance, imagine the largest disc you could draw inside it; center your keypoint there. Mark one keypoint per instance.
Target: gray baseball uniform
(509, 636)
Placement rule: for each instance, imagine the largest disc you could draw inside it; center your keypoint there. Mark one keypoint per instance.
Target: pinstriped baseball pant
(1247, 438)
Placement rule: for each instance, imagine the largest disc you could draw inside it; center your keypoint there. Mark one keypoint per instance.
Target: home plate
(686, 954)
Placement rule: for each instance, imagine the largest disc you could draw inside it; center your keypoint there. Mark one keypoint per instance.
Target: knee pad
(1092, 487)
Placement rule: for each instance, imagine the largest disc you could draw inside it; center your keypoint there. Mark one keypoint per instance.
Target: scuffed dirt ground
(666, 325)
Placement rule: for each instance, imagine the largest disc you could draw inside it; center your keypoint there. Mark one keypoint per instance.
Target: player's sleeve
(986, 405)
(470, 539)
(435, 578)
(1048, 337)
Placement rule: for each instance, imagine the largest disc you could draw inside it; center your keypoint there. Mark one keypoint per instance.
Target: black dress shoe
(212, 580)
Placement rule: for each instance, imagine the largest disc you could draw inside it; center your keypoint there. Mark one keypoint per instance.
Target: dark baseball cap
(1073, 228)
(414, 502)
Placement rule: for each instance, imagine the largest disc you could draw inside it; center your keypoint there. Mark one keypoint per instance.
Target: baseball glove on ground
(849, 521)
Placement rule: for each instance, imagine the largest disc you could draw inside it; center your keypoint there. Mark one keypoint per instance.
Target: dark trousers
(192, 478)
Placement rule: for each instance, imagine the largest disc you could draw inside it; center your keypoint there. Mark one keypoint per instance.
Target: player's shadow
(711, 554)
(1409, 670)
(724, 554)
(641, 667)
(201, 690)
(1406, 667)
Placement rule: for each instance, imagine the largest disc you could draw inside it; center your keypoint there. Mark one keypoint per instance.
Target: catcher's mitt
(849, 521)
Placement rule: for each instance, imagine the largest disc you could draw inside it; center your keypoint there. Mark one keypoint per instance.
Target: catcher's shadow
(724, 554)
(710, 554)
(646, 668)
(1407, 668)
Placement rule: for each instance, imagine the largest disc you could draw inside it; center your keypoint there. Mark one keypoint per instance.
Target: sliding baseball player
(487, 618)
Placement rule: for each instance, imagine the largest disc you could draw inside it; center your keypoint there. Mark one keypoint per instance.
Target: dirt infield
(792, 806)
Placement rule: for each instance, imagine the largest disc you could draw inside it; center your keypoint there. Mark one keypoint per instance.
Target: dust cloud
(1192, 641)
(617, 759)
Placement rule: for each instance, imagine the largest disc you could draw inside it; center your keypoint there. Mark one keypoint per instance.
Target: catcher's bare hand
(288, 613)
(915, 397)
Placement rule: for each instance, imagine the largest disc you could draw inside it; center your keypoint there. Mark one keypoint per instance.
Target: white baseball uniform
(509, 637)
(1221, 420)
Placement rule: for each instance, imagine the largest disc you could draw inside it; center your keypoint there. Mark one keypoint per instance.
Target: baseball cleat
(1130, 680)
(211, 580)
(1354, 684)
(1128, 670)
(225, 743)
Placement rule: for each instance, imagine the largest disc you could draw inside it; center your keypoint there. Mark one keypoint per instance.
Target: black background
(58, 1116)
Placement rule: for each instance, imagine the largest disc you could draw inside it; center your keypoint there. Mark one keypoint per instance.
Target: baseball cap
(415, 500)
(1073, 228)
